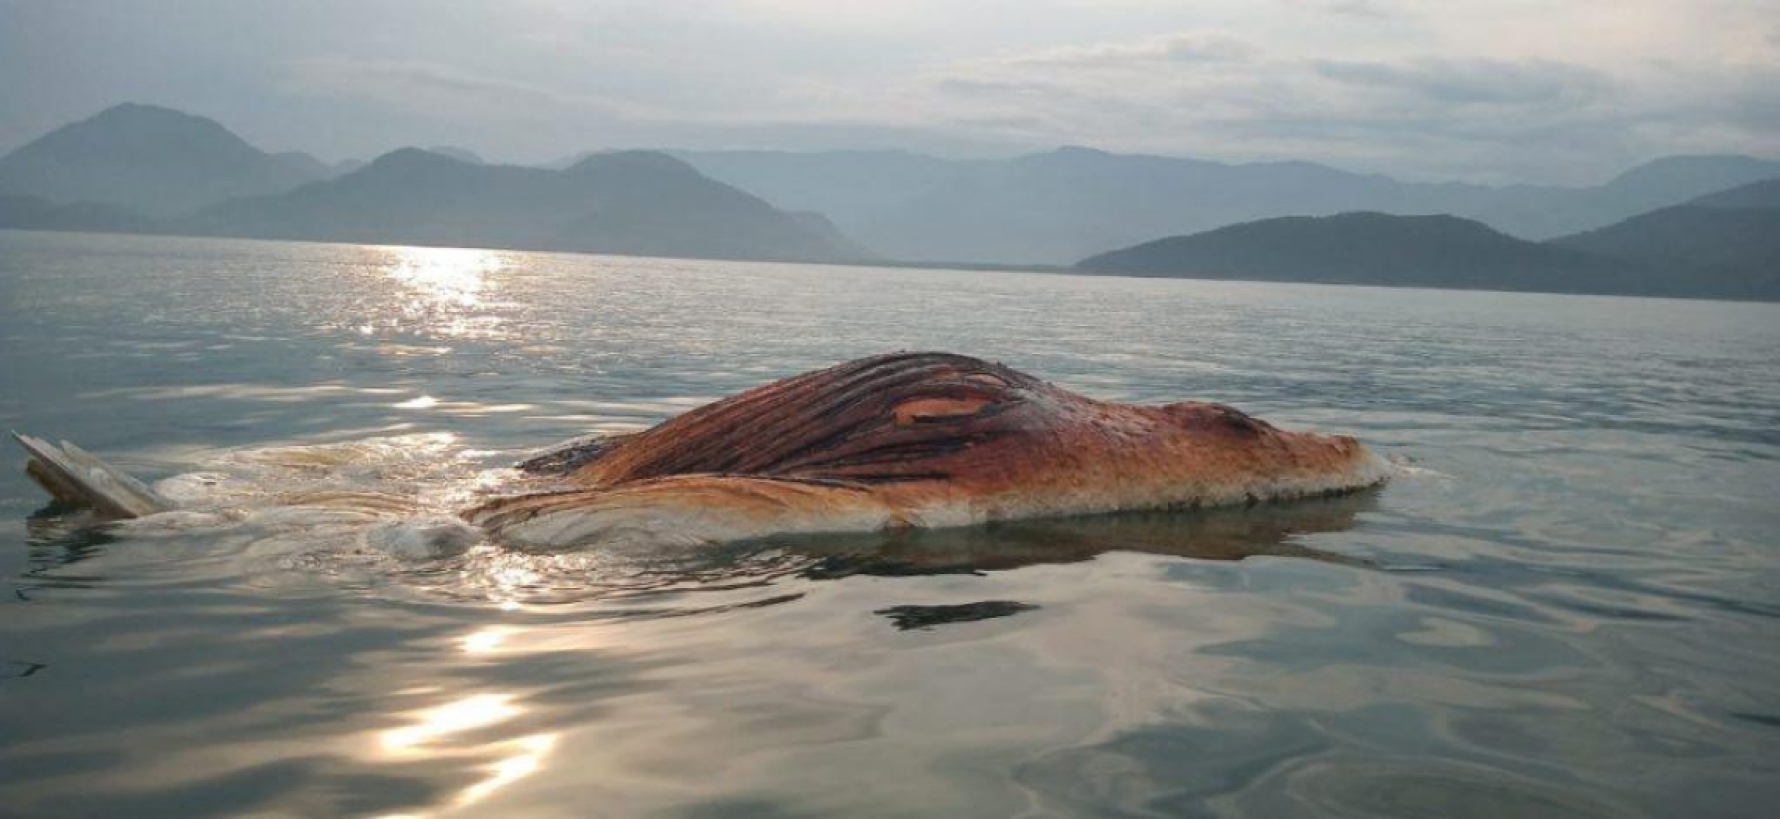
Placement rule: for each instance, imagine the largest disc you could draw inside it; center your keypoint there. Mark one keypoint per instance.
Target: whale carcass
(890, 442)
(913, 440)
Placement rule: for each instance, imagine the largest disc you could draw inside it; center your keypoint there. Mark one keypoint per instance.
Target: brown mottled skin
(924, 439)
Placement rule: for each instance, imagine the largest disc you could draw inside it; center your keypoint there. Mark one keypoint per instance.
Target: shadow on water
(1234, 533)
(59, 536)
(1226, 534)
(721, 577)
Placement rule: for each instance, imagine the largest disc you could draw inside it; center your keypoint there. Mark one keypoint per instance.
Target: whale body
(910, 440)
(879, 444)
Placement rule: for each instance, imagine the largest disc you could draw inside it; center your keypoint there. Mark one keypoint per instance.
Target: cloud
(1369, 9)
(428, 87)
(1358, 9)
(1046, 94)
(1427, 116)
(1491, 89)
(1173, 48)
(1473, 81)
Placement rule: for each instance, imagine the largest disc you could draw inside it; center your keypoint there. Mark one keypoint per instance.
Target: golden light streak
(528, 757)
(467, 714)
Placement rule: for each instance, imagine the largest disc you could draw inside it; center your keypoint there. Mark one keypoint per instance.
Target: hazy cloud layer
(1565, 90)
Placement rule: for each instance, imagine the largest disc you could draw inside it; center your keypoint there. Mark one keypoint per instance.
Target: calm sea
(1568, 604)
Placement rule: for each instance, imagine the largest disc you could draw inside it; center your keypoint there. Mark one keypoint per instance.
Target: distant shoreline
(1685, 226)
(1048, 270)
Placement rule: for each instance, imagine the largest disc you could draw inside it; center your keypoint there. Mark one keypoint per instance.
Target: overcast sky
(1503, 90)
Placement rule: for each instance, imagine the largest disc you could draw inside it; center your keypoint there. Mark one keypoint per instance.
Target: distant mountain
(153, 160)
(633, 202)
(175, 170)
(1718, 244)
(1763, 194)
(1546, 212)
(1375, 249)
(854, 188)
(36, 213)
(563, 163)
(459, 154)
(1673, 179)
(820, 226)
(304, 164)
(1059, 206)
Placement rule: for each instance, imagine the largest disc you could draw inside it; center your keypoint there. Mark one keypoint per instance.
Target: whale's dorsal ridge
(874, 419)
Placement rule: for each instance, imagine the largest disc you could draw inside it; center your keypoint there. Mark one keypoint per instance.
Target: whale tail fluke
(73, 475)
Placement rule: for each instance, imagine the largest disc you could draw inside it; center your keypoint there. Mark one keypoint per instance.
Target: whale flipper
(72, 475)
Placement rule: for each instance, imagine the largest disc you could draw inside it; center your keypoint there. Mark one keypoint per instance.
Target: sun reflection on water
(450, 732)
(527, 757)
(446, 275)
(443, 291)
(485, 640)
(437, 733)
(458, 716)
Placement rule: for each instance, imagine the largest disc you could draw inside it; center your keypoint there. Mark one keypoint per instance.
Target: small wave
(1404, 466)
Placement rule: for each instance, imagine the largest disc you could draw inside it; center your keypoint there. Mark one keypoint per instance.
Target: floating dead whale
(911, 440)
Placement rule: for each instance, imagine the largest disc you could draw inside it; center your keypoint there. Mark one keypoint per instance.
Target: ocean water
(1567, 604)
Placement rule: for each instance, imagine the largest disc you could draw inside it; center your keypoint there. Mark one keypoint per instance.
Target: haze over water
(1564, 606)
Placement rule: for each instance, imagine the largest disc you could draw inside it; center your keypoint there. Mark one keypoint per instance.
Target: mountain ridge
(1033, 209)
(1763, 194)
(154, 160)
(1719, 244)
(1446, 251)
(634, 203)
(1057, 206)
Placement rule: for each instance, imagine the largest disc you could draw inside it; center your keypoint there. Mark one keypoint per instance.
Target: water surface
(1566, 606)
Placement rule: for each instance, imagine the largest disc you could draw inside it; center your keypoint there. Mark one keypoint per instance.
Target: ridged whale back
(873, 420)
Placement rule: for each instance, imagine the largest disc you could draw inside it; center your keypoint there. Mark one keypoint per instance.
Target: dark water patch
(1485, 603)
(1418, 787)
(21, 668)
(1769, 720)
(1166, 770)
(926, 618)
(1610, 594)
